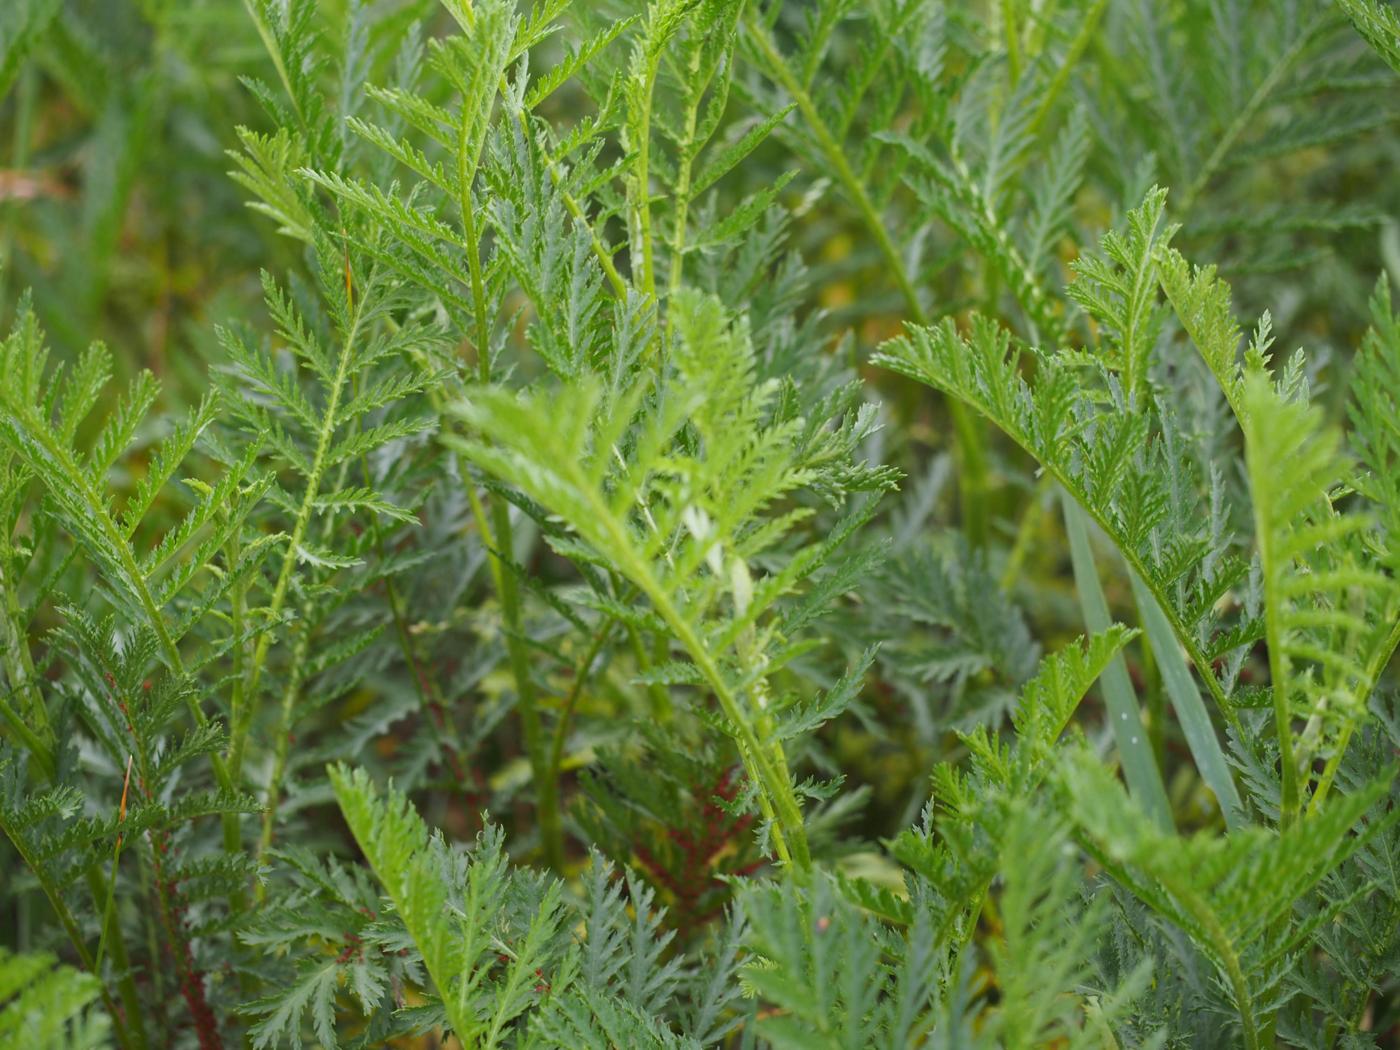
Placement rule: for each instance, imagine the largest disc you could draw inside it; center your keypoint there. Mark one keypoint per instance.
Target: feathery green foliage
(702, 523)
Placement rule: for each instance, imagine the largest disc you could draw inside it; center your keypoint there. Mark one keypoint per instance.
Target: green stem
(59, 905)
(678, 226)
(661, 709)
(238, 698)
(1134, 747)
(1278, 670)
(1011, 34)
(305, 513)
(115, 938)
(565, 719)
(298, 535)
(835, 155)
(1229, 959)
(973, 482)
(282, 744)
(571, 204)
(107, 913)
(500, 545)
(600, 251)
(499, 539)
(1073, 53)
(660, 699)
(429, 695)
(687, 149)
(776, 797)
(547, 789)
(1031, 520)
(238, 600)
(1375, 667)
(581, 674)
(274, 52)
(40, 749)
(1190, 711)
(641, 205)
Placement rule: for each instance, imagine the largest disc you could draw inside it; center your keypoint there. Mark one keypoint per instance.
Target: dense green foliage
(699, 523)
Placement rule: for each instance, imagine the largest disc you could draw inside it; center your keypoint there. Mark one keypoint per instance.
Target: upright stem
(546, 788)
(134, 1025)
(238, 613)
(687, 149)
(1082, 39)
(682, 213)
(1278, 672)
(500, 546)
(305, 512)
(762, 754)
(1011, 34)
(429, 695)
(1134, 748)
(282, 744)
(565, 719)
(641, 205)
(1374, 669)
(971, 451)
